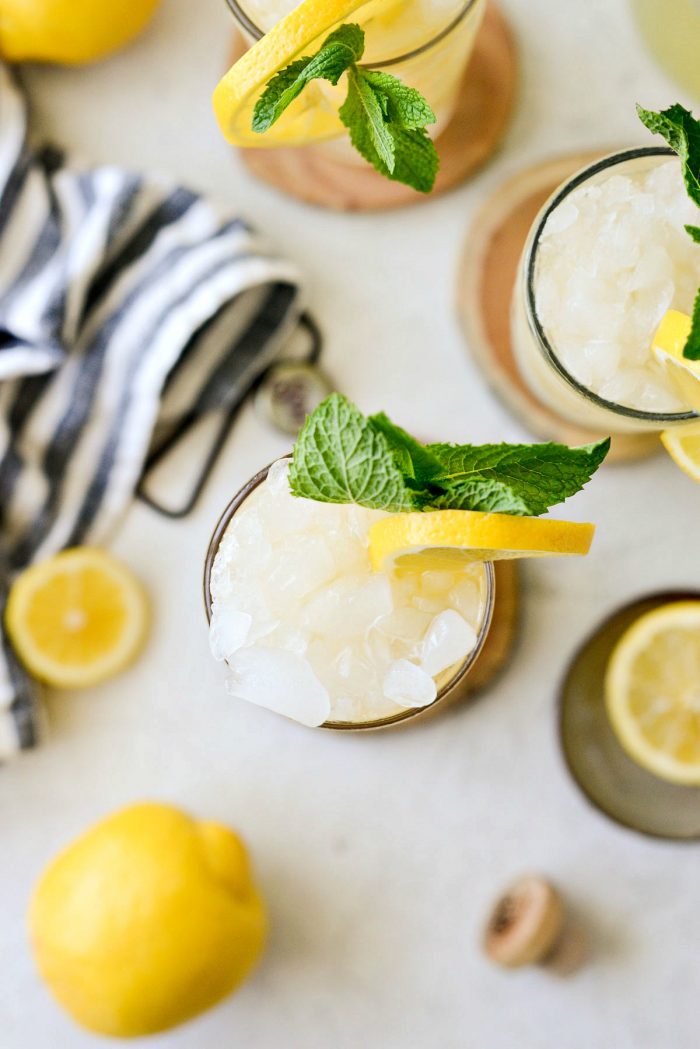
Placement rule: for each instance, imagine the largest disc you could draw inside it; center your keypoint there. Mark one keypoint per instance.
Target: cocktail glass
(671, 31)
(426, 43)
(452, 684)
(540, 359)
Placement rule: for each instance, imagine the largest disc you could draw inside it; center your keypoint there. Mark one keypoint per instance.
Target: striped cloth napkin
(113, 289)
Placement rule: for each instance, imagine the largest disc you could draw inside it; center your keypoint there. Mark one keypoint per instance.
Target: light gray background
(378, 856)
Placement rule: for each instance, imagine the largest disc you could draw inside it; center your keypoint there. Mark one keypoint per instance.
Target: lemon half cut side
(78, 618)
(652, 692)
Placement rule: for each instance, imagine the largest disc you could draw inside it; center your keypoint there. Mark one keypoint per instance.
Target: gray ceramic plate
(601, 768)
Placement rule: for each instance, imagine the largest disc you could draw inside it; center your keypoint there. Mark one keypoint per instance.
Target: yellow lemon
(69, 31)
(146, 920)
(444, 539)
(311, 117)
(668, 344)
(78, 618)
(652, 691)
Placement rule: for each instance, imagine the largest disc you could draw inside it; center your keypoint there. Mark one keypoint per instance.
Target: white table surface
(379, 855)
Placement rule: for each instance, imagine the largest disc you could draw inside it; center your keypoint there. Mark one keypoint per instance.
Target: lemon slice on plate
(667, 345)
(446, 539)
(652, 692)
(313, 116)
(78, 618)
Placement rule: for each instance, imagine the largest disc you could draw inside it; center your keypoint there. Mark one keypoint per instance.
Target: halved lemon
(78, 618)
(313, 116)
(444, 539)
(652, 691)
(667, 345)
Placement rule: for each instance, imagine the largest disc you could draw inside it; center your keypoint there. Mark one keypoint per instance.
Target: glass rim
(250, 27)
(529, 266)
(408, 713)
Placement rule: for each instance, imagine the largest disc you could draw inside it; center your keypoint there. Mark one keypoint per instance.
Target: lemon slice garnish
(78, 618)
(313, 116)
(446, 539)
(667, 345)
(652, 691)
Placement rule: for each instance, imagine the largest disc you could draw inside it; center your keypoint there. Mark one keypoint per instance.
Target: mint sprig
(681, 130)
(386, 119)
(343, 457)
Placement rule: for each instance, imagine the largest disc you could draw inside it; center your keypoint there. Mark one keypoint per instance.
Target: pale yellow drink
(605, 259)
(308, 629)
(671, 30)
(425, 43)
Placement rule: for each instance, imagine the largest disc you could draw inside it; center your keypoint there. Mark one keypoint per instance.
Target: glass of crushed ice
(307, 629)
(605, 259)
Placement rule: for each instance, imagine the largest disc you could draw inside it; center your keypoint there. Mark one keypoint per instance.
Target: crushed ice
(307, 628)
(613, 258)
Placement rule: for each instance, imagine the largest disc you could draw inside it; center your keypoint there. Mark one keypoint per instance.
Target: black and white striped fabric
(113, 289)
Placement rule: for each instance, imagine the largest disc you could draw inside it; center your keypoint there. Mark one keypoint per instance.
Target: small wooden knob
(525, 924)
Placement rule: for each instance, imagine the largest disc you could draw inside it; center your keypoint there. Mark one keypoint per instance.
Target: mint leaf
(340, 458)
(523, 479)
(403, 105)
(416, 159)
(691, 350)
(279, 93)
(682, 132)
(338, 52)
(364, 117)
(385, 118)
(417, 463)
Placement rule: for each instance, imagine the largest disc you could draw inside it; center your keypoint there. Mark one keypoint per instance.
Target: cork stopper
(529, 925)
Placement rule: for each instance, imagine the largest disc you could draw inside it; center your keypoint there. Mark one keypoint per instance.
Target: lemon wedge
(683, 445)
(667, 345)
(78, 618)
(310, 118)
(446, 539)
(652, 691)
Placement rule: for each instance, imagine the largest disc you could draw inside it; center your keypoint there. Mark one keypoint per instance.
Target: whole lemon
(69, 31)
(146, 920)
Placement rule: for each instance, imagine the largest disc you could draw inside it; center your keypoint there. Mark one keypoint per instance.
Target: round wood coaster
(485, 282)
(484, 105)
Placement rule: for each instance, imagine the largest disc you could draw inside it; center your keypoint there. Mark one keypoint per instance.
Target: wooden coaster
(485, 282)
(484, 105)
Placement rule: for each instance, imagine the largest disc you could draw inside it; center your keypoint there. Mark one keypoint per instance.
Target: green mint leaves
(386, 119)
(340, 51)
(341, 456)
(682, 132)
